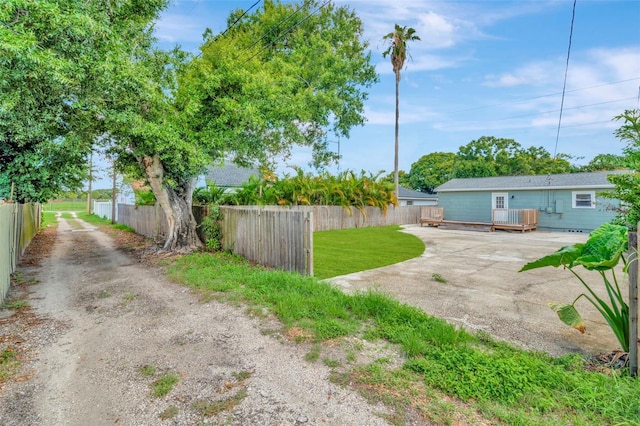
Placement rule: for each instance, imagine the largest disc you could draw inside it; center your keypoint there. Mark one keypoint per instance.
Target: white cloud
(409, 113)
(176, 27)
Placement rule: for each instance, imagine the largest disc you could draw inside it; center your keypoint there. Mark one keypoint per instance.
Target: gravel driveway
(98, 317)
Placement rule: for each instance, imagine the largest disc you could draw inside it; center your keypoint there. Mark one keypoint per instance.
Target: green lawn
(64, 206)
(351, 250)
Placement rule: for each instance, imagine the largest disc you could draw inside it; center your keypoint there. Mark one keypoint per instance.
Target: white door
(500, 206)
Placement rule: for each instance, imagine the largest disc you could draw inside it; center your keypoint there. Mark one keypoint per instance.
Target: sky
(481, 68)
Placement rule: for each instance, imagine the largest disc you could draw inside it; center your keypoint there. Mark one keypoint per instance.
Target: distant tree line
(491, 156)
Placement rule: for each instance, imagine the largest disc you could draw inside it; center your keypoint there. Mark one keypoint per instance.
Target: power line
(232, 25)
(566, 71)
(565, 109)
(521, 101)
(276, 26)
(288, 30)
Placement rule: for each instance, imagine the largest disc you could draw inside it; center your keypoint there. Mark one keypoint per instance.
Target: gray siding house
(409, 197)
(566, 202)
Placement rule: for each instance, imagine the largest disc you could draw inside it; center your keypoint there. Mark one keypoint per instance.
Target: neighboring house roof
(597, 180)
(410, 194)
(231, 175)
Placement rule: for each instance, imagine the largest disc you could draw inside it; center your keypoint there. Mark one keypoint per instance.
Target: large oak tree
(287, 75)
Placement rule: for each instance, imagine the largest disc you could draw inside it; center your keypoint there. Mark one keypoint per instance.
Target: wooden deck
(507, 219)
(515, 219)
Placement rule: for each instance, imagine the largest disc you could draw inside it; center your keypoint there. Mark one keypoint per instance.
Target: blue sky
(482, 68)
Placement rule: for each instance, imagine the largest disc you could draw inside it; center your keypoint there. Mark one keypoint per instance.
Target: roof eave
(533, 188)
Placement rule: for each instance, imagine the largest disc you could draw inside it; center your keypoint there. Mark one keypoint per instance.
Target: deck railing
(524, 219)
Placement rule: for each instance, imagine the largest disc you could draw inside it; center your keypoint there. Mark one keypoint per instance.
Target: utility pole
(90, 179)
(114, 195)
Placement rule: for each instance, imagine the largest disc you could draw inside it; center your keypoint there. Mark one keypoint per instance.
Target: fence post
(633, 303)
(308, 229)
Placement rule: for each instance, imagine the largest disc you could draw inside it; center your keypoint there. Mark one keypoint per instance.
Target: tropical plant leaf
(568, 315)
(564, 256)
(604, 247)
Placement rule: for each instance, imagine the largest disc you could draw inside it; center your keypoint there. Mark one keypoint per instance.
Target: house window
(409, 202)
(583, 200)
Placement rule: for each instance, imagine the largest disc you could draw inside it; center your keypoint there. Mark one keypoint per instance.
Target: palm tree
(398, 52)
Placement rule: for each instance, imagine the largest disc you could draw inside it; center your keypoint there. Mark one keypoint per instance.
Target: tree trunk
(177, 207)
(395, 162)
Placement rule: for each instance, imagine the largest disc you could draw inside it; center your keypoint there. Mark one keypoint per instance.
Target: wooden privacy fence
(282, 237)
(19, 223)
(327, 218)
(278, 238)
(275, 236)
(151, 221)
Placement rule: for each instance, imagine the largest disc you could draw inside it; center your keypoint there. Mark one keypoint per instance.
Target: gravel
(99, 316)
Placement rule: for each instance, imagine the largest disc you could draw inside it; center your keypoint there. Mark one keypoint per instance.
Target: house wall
(467, 206)
(555, 206)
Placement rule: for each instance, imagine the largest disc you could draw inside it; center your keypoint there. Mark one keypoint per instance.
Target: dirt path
(100, 316)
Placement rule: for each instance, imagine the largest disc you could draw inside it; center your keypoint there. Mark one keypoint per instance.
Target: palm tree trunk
(395, 162)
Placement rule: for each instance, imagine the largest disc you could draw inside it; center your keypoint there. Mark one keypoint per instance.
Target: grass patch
(49, 219)
(212, 408)
(501, 383)
(169, 413)
(148, 370)
(97, 220)
(242, 375)
(331, 363)
(164, 384)
(15, 304)
(64, 206)
(345, 251)
(129, 297)
(314, 354)
(439, 278)
(8, 363)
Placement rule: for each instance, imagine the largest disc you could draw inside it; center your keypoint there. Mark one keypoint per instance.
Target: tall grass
(503, 383)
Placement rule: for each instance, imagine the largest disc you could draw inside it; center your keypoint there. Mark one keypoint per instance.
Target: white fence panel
(103, 209)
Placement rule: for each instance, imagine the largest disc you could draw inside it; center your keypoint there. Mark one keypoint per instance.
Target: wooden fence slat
(634, 267)
(19, 223)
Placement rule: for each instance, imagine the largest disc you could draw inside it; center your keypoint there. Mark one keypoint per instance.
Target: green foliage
(605, 162)
(164, 384)
(255, 93)
(148, 370)
(144, 197)
(8, 363)
(212, 228)
(485, 157)
(211, 194)
(345, 251)
(601, 253)
(345, 189)
(54, 63)
(627, 186)
(431, 171)
(213, 408)
(15, 304)
(505, 384)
